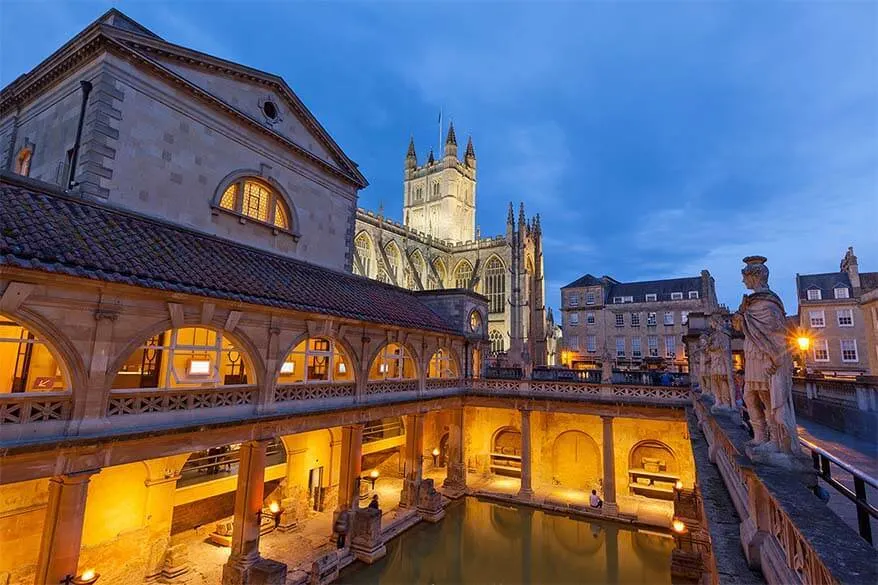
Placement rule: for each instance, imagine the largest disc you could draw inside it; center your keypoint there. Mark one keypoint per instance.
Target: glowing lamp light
(198, 368)
(274, 507)
(374, 474)
(679, 485)
(678, 526)
(342, 368)
(86, 578)
(803, 342)
(382, 368)
(435, 452)
(288, 368)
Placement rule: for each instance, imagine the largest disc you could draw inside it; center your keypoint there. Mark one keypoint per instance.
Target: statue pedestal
(366, 541)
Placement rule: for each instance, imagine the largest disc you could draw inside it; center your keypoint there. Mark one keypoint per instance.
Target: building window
(316, 359)
(496, 341)
(574, 342)
(475, 321)
(436, 189)
(364, 251)
(669, 318)
(442, 365)
(676, 296)
(620, 347)
(574, 318)
(821, 350)
(849, 350)
(617, 300)
(845, 317)
(495, 285)
(573, 299)
(591, 344)
(652, 345)
(814, 294)
(589, 318)
(620, 320)
(684, 317)
(651, 297)
(635, 348)
(26, 363)
(439, 267)
(256, 200)
(393, 363)
(670, 346)
(650, 319)
(816, 319)
(23, 160)
(635, 319)
(394, 259)
(589, 298)
(463, 275)
(627, 299)
(189, 357)
(842, 293)
(693, 294)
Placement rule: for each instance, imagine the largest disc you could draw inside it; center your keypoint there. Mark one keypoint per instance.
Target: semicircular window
(256, 200)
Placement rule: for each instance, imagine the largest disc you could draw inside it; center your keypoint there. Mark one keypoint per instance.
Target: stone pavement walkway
(856, 452)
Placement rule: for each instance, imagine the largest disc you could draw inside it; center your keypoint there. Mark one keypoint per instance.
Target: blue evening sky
(654, 138)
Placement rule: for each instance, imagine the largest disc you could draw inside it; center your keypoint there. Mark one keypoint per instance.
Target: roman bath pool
(481, 542)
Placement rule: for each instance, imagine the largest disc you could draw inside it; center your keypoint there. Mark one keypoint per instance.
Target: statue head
(755, 273)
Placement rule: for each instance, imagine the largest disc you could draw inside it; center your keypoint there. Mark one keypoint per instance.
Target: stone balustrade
(849, 406)
(786, 531)
(23, 408)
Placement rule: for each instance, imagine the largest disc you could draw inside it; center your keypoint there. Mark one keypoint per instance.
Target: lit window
(574, 318)
(23, 160)
(442, 365)
(635, 319)
(684, 317)
(589, 298)
(651, 297)
(589, 318)
(693, 294)
(816, 319)
(393, 363)
(475, 321)
(496, 338)
(620, 347)
(849, 350)
(591, 343)
(814, 294)
(821, 350)
(620, 320)
(842, 293)
(26, 364)
(845, 317)
(363, 244)
(495, 285)
(635, 348)
(463, 275)
(186, 357)
(669, 318)
(676, 296)
(256, 200)
(617, 300)
(628, 299)
(670, 346)
(650, 319)
(652, 345)
(316, 359)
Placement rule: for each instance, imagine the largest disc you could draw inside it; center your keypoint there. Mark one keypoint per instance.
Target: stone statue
(606, 367)
(720, 350)
(768, 366)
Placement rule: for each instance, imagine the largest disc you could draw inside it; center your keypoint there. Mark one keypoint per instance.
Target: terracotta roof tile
(53, 233)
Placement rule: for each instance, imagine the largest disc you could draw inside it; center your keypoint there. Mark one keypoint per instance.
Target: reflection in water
(480, 542)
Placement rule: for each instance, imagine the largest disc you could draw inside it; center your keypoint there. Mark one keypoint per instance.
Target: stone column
(62, 531)
(351, 466)
(526, 490)
(414, 461)
(455, 476)
(248, 504)
(610, 506)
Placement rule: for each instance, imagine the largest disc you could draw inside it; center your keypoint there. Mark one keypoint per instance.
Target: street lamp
(274, 510)
(804, 343)
(435, 454)
(372, 478)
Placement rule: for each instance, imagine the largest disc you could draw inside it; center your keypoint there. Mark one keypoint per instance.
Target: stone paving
(857, 452)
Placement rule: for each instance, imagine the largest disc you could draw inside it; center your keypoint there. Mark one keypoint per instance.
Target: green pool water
(480, 542)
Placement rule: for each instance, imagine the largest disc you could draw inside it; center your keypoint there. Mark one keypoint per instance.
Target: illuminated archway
(443, 364)
(316, 359)
(393, 362)
(506, 452)
(27, 363)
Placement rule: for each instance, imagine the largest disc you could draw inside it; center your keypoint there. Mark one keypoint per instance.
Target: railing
(823, 462)
(22, 408)
(292, 392)
(125, 402)
(388, 387)
(859, 393)
(613, 392)
(443, 383)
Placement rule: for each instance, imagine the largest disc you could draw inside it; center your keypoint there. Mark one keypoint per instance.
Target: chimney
(849, 265)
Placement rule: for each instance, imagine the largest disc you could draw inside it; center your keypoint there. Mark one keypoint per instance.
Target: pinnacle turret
(521, 218)
(510, 217)
(431, 159)
(469, 157)
(411, 157)
(451, 142)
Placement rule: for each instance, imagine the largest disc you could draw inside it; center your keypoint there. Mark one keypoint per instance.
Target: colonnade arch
(34, 357)
(317, 359)
(576, 461)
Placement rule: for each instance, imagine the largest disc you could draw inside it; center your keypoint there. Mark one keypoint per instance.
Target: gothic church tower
(439, 198)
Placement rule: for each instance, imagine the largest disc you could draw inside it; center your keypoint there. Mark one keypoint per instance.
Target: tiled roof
(868, 281)
(54, 233)
(824, 282)
(662, 288)
(587, 280)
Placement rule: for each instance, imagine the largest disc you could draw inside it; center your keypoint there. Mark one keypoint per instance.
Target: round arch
(576, 461)
(506, 451)
(444, 363)
(412, 355)
(653, 454)
(240, 174)
(252, 360)
(338, 348)
(58, 347)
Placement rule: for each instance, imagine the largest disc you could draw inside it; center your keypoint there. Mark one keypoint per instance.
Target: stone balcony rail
(849, 406)
(786, 531)
(22, 408)
(860, 393)
(126, 402)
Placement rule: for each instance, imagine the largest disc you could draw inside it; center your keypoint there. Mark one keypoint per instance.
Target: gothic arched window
(495, 285)
(255, 199)
(439, 267)
(463, 275)
(420, 268)
(393, 260)
(22, 162)
(364, 250)
(496, 341)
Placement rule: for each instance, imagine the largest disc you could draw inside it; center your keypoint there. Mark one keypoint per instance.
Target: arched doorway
(576, 461)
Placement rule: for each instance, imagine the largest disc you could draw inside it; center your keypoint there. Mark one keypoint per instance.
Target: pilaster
(526, 490)
(414, 461)
(610, 506)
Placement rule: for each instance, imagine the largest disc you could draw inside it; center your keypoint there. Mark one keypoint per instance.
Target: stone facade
(631, 324)
(833, 311)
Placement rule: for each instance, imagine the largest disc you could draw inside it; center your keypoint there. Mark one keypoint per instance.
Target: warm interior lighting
(274, 507)
(382, 368)
(804, 342)
(288, 368)
(374, 474)
(679, 485)
(678, 526)
(342, 368)
(86, 578)
(435, 452)
(198, 368)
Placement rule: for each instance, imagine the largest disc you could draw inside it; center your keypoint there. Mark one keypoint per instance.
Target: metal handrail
(822, 460)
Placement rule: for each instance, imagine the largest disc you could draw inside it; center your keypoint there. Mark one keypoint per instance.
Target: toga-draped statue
(768, 365)
(719, 348)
